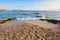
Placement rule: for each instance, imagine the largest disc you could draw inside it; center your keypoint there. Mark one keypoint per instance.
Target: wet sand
(29, 30)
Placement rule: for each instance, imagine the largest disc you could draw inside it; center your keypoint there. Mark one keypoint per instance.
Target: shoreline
(43, 24)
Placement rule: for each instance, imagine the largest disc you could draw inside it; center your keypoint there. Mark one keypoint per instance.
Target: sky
(30, 4)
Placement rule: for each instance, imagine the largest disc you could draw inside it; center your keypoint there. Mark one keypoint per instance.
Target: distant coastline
(1, 10)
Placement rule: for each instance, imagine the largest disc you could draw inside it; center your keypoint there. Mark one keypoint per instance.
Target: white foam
(28, 18)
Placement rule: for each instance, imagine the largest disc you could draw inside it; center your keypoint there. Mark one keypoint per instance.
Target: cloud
(44, 5)
(49, 6)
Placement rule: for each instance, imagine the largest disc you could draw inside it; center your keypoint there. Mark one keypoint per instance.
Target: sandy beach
(29, 30)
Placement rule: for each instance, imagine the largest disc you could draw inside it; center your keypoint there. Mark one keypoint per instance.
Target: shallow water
(29, 15)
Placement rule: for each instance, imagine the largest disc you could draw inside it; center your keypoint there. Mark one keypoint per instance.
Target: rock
(9, 19)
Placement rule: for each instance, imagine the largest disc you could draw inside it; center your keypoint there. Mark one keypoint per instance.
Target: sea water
(29, 15)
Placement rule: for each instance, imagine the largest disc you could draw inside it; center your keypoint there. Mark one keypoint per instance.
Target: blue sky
(30, 4)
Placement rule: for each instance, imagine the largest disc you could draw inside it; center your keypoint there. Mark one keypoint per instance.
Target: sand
(29, 30)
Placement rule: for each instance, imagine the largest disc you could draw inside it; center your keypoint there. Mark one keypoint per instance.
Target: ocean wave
(28, 18)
